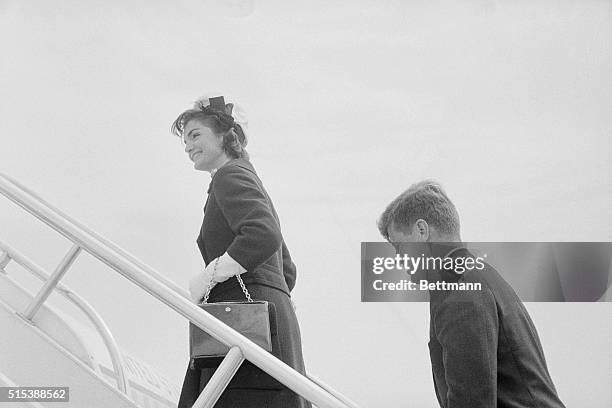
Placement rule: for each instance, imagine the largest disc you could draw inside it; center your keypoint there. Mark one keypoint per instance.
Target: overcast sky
(507, 105)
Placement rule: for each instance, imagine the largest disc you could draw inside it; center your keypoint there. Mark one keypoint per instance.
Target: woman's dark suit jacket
(239, 218)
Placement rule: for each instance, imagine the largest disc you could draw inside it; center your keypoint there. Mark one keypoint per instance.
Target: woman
(240, 235)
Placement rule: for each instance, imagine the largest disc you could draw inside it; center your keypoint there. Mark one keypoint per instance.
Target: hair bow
(217, 107)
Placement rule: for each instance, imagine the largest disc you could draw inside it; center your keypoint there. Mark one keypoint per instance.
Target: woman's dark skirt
(252, 387)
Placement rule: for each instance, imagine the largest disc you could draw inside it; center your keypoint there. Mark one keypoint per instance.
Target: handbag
(250, 318)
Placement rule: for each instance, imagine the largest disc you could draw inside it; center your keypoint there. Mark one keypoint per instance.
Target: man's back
(484, 348)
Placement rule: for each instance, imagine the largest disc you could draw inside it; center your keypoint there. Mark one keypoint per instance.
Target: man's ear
(421, 229)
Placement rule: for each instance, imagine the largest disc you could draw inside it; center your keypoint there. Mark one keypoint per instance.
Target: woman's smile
(193, 155)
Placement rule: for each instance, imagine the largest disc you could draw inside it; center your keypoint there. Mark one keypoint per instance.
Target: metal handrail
(158, 276)
(163, 291)
(86, 308)
(110, 244)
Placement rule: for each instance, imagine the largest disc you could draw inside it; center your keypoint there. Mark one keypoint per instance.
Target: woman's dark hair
(222, 124)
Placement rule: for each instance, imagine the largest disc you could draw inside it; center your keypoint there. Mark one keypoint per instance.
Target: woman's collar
(214, 171)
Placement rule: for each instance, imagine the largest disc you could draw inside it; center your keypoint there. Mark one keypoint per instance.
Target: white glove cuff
(226, 268)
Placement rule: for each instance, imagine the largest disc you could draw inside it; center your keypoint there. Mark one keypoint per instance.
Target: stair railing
(10, 254)
(170, 294)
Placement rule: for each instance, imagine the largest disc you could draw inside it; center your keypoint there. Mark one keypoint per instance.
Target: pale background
(507, 104)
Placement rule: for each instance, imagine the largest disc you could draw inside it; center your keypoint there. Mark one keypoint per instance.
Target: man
(484, 348)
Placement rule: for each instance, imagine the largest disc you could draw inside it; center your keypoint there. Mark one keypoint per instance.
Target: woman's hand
(218, 270)
(226, 268)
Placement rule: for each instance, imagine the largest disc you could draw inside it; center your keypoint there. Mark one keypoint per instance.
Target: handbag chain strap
(244, 289)
(210, 285)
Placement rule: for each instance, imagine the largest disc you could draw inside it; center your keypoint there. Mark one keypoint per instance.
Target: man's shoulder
(468, 289)
(465, 310)
(471, 287)
(500, 289)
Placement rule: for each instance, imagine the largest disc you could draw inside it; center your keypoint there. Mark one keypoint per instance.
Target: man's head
(423, 213)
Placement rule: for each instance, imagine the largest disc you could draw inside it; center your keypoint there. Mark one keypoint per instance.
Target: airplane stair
(44, 347)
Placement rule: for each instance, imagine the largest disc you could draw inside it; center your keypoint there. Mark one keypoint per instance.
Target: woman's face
(203, 146)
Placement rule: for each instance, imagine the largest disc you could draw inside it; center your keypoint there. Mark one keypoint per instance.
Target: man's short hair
(423, 200)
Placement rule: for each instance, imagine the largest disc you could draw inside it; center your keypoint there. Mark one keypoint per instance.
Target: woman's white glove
(226, 267)
(199, 282)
